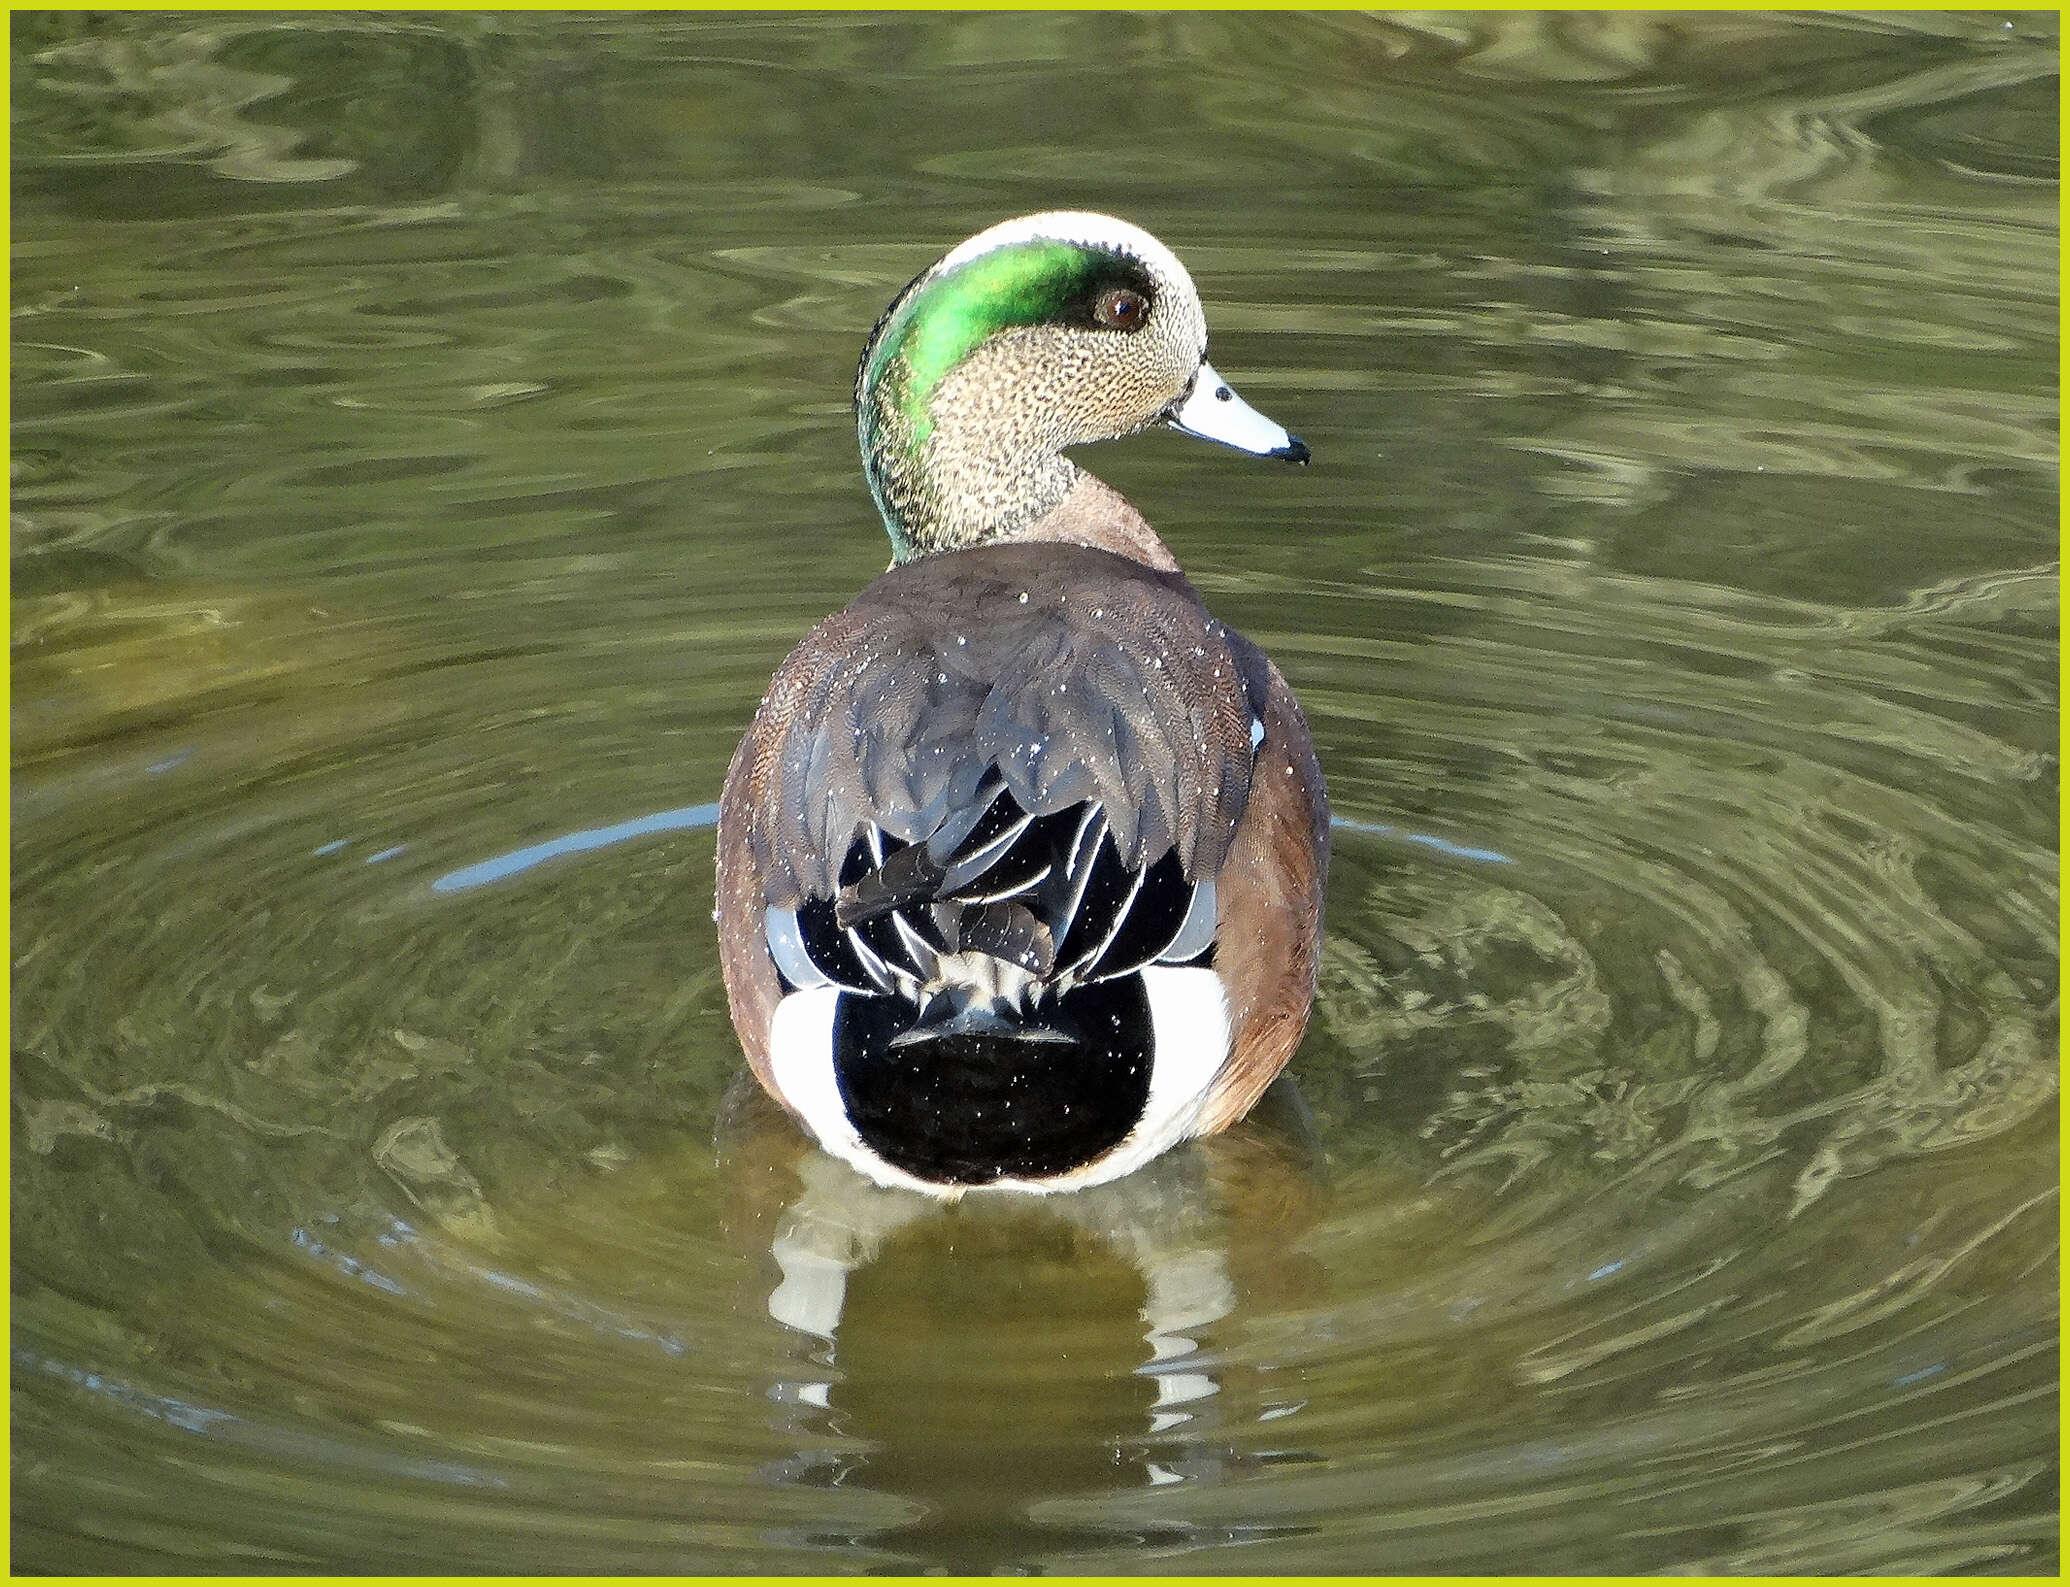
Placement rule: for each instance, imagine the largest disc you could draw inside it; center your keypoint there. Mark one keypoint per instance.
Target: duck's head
(1040, 333)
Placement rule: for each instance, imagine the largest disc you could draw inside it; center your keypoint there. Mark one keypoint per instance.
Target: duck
(1020, 862)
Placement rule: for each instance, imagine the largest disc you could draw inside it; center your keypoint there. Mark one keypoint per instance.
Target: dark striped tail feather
(991, 1018)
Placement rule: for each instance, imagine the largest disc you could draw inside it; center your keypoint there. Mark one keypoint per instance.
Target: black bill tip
(1295, 451)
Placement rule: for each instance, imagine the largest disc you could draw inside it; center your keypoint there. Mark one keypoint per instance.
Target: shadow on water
(1097, 1301)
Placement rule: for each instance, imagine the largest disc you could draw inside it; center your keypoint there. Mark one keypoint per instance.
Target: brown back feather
(1078, 673)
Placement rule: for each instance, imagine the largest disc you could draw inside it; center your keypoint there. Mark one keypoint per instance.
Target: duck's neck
(952, 485)
(1088, 512)
(1093, 513)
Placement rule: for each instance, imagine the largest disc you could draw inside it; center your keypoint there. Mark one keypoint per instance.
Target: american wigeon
(1020, 864)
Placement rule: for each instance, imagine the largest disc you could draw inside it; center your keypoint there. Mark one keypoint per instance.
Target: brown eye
(1120, 309)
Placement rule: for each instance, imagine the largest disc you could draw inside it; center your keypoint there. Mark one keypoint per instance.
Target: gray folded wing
(1078, 674)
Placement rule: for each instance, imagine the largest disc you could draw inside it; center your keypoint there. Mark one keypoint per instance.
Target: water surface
(429, 432)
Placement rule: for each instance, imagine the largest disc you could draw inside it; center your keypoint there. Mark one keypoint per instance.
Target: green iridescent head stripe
(943, 322)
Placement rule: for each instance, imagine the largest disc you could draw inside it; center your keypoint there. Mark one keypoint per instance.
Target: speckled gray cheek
(994, 462)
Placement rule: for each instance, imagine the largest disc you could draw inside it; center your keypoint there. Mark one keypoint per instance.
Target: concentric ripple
(411, 506)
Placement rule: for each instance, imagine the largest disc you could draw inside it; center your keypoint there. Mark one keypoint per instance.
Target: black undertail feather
(973, 1109)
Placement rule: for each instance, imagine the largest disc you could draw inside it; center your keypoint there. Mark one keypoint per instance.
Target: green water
(429, 432)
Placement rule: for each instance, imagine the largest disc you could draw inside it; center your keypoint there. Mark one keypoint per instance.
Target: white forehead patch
(1074, 225)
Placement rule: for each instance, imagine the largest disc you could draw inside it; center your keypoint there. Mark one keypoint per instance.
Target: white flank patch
(1189, 1023)
(801, 1060)
(1073, 225)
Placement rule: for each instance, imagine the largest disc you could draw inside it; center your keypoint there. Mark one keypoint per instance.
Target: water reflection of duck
(990, 1354)
(1021, 861)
